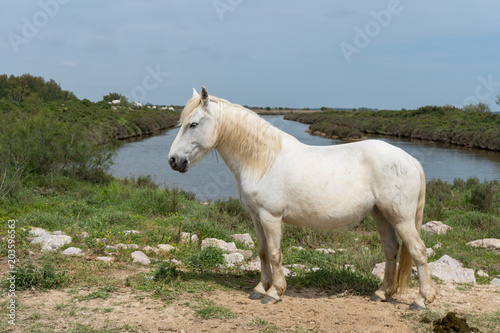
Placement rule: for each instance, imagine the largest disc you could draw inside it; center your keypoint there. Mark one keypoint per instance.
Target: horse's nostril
(172, 161)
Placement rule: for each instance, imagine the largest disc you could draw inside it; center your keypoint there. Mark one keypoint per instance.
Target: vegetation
(54, 156)
(46, 130)
(473, 126)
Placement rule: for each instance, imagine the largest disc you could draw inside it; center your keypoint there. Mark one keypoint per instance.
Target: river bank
(431, 123)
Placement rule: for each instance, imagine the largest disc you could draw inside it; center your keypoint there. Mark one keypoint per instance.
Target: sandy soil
(306, 310)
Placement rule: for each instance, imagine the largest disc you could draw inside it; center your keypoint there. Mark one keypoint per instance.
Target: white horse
(279, 179)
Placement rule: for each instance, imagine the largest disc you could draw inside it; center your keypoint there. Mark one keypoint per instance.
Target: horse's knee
(275, 257)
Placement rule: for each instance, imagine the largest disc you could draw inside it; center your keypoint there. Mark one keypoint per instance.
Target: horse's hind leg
(409, 235)
(265, 268)
(391, 248)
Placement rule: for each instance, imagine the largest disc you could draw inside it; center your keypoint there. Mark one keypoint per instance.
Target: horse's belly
(327, 217)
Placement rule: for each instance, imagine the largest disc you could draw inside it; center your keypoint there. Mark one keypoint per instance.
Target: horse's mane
(243, 136)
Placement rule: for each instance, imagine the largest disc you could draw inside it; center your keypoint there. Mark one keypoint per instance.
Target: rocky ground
(305, 310)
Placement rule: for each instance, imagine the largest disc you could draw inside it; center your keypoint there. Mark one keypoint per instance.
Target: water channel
(211, 180)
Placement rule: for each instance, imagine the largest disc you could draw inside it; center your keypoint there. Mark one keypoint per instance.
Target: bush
(206, 259)
(28, 275)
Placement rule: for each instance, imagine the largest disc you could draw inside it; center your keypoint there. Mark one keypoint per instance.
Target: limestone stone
(140, 257)
(436, 227)
(244, 238)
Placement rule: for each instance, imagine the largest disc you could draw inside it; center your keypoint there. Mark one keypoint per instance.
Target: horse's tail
(402, 280)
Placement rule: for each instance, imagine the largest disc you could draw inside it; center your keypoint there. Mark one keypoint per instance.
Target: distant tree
(268, 108)
(114, 96)
(18, 88)
(479, 107)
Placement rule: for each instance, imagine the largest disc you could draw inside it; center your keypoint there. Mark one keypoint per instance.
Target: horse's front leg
(265, 268)
(271, 226)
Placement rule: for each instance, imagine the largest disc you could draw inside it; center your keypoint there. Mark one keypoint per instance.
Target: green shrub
(29, 275)
(166, 271)
(206, 259)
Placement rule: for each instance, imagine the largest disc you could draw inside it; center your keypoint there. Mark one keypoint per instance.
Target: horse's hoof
(270, 300)
(376, 298)
(256, 295)
(415, 306)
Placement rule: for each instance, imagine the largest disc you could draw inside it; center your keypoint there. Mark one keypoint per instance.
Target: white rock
(325, 250)
(133, 232)
(482, 273)
(233, 258)
(296, 266)
(106, 259)
(436, 227)
(245, 238)
(101, 240)
(37, 232)
(437, 246)
(84, 234)
(186, 236)
(231, 247)
(140, 257)
(132, 246)
(58, 232)
(287, 272)
(486, 243)
(51, 242)
(315, 269)
(165, 247)
(111, 247)
(120, 246)
(217, 243)
(430, 252)
(352, 268)
(253, 265)
(150, 249)
(246, 253)
(451, 270)
(495, 282)
(298, 248)
(379, 270)
(72, 251)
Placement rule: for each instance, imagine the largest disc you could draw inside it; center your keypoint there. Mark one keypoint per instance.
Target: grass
(106, 210)
(210, 310)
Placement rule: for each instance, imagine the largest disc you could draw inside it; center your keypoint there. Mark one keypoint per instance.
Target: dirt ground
(306, 310)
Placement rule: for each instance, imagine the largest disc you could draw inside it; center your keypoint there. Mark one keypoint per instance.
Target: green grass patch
(210, 310)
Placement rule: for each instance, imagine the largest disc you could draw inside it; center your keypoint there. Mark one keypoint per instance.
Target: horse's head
(197, 135)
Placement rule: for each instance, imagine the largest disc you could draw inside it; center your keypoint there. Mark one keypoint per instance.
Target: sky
(386, 54)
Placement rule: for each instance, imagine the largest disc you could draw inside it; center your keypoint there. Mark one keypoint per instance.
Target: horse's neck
(247, 143)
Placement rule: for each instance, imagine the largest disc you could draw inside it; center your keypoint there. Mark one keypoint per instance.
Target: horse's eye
(193, 124)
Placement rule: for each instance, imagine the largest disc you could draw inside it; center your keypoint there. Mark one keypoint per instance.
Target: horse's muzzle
(178, 164)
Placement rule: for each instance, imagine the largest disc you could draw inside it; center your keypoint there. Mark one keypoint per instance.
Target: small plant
(210, 310)
(206, 259)
(264, 326)
(29, 275)
(102, 293)
(166, 271)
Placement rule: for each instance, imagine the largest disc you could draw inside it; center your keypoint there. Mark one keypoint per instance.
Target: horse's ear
(204, 96)
(195, 93)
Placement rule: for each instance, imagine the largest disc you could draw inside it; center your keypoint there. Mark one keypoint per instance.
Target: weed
(264, 326)
(206, 259)
(29, 275)
(210, 310)
(166, 271)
